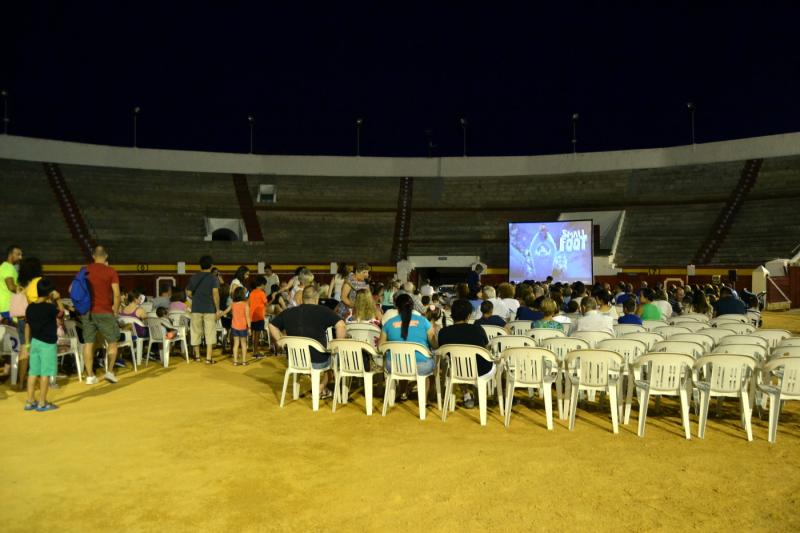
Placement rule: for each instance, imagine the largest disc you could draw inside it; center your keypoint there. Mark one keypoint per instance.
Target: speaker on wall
(732, 275)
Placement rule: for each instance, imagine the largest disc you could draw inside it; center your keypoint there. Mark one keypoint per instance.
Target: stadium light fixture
(359, 123)
(6, 120)
(136, 111)
(464, 131)
(252, 121)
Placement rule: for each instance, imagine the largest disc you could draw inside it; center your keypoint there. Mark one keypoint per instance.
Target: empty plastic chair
(623, 329)
(742, 319)
(789, 341)
(403, 358)
(787, 388)
(592, 337)
(500, 343)
(598, 371)
(364, 332)
(493, 331)
(668, 374)
(691, 349)
(737, 327)
(744, 339)
(650, 325)
(786, 351)
(703, 340)
(75, 345)
(630, 350)
(730, 376)
(519, 327)
(530, 368)
(669, 331)
(694, 327)
(349, 356)
(697, 316)
(463, 370)
(683, 319)
(648, 338)
(773, 336)
(716, 333)
(540, 334)
(755, 350)
(298, 351)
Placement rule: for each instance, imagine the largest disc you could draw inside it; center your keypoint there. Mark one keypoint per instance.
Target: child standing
(240, 325)
(258, 307)
(41, 337)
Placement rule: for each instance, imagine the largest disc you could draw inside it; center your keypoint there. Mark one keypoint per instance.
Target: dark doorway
(224, 234)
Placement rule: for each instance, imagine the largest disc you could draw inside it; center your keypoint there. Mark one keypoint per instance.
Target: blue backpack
(79, 292)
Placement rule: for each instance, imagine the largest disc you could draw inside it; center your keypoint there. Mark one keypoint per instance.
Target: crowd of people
(250, 311)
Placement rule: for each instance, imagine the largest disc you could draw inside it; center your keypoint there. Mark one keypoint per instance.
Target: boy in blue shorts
(41, 336)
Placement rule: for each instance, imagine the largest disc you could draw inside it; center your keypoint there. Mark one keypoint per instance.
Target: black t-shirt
(330, 303)
(308, 320)
(42, 320)
(493, 320)
(467, 334)
(730, 306)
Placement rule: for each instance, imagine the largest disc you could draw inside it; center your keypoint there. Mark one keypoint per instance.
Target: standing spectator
(30, 272)
(240, 280)
(272, 279)
(338, 280)
(474, 279)
(426, 289)
(240, 325)
(258, 307)
(41, 336)
(355, 282)
(203, 289)
(8, 274)
(102, 317)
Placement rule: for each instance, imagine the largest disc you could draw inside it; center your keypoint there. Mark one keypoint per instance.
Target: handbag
(18, 305)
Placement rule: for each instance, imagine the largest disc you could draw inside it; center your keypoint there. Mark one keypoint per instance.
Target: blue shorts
(320, 366)
(238, 332)
(424, 368)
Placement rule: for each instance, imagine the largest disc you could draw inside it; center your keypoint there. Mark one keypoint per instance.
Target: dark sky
(74, 71)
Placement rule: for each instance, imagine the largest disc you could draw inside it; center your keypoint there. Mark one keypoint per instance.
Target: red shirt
(100, 279)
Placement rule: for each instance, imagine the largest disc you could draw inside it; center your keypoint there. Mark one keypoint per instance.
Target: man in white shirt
(592, 319)
(663, 305)
(500, 308)
(426, 289)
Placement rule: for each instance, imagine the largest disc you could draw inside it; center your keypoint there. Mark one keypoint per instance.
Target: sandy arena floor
(198, 448)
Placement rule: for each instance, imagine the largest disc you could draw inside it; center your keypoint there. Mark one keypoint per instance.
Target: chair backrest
(694, 327)
(463, 359)
(648, 338)
(737, 327)
(623, 329)
(650, 325)
(786, 351)
(790, 341)
(685, 347)
(349, 354)
(759, 352)
(298, 351)
(10, 341)
(630, 349)
(519, 327)
(71, 329)
(754, 317)
(697, 316)
(493, 331)
(364, 332)
(680, 319)
(503, 342)
(592, 337)
(716, 333)
(540, 334)
(773, 336)
(790, 380)
(530, 364)
(669, 331)
(178, 318)
(594, 366)
(155, 329)
(561, 346)
(666, 370)
(403, 357)
(730, 373)
(703, 340)
(742, 319)
(744, 339)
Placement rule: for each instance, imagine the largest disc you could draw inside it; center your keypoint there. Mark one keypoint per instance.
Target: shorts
(257, 325)
(43, 359)
(6, 315)
(238, 332)
(424, 368)
(105, 323)
(322, 365)
(204, 325)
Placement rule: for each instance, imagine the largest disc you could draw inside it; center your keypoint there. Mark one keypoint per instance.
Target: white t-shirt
(426, 290)
(338, 283)
(595, 321)
(665, 308)
(500, 308)
(512, 304)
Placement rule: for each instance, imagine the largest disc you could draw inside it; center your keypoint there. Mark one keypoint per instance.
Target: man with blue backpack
(95, 295)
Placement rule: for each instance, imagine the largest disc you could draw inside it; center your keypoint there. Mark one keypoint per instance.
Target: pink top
(177, 306)
(239, 315)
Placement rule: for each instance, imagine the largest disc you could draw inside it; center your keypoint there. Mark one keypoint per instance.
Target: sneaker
(110, 377)
(46, 407)
(31, 406)
(91, 380)
(469, 401)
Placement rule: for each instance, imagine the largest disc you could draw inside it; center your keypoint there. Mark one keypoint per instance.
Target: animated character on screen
(541, 253)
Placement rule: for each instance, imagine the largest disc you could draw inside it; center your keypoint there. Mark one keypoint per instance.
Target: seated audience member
(630, 316)
(325, 297)
(578, 291)
(387, 296)
(163, 299)
(278, 301)
(700, 304)
(549, 310)
(499, 307)
(304, 279)
(530, 311)
(676, 300)
(663, 305)
(628, 295)
(163, 316)
(409, 326)
(133, 309)
(728, 304)
(506, 294)
(621, 291)
(177, 301)
(436, 317)
(592, 320)
(603, 298)
(488, 318)
(462, 332)
(309, 319)
(365, 311)
(648, 310)
(573, 311)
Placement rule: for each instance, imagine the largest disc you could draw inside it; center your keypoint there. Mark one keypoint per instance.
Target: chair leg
(573, 404)
(368, 392)
(337, 378)
(166, 347)
(295, 387)
(744, 402)
(422, 396)
(626, 417)
(548, 405)
(567, 395)
(79, 365)
(612, 400)
(644, 403)
(448, 399)
(285, 384)
(438, 389)
(499, 391)
(185, 349)
(774, 413)
(315, 378)
(482, 386)
(344, 390)
(387, 393)
(705, 399)
(560, 394)
(509, 402)
(685, 395)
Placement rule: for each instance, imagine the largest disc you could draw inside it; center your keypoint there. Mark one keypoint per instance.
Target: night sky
(75, 71)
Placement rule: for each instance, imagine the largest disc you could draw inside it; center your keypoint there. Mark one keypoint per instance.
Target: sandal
(237, 363)
(46, 407)
(31, 406)
(244, 363)
(211, 362)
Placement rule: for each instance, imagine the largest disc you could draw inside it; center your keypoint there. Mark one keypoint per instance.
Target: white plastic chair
(502, 342)
(744, 339)
(703, 340)
(519, 327)
(530, 368)
(404, 368)
(773, 336)
(650, 325)
(566, 323)
(669, 331)
(349, 356)
(648, 338)
(691, 349)
(298, 351)
(75, 345)
(128, 343)
(630, 350)
(463, 370)
(592, 337)
(157, 334)
(730, 376)
(754, 350)
(697, 316)
(786, 351)
(493, 331)
(594, 370)
(716, 333)
(367, 333)
(787, 388)
(789, 341)
(668, 374)
(540, 334)
(694, 327)
(9, 340)
(742, 319)
(135, 345)
(737, 327)
(685, 319)
(561, 347)
(623, 329)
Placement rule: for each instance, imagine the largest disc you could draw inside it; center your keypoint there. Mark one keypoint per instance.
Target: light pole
(431, 146)
(575, 133)
(690, 108)
(464, 132)
(252, 120)
(136, 111)
(359, 123)
(6, 120)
